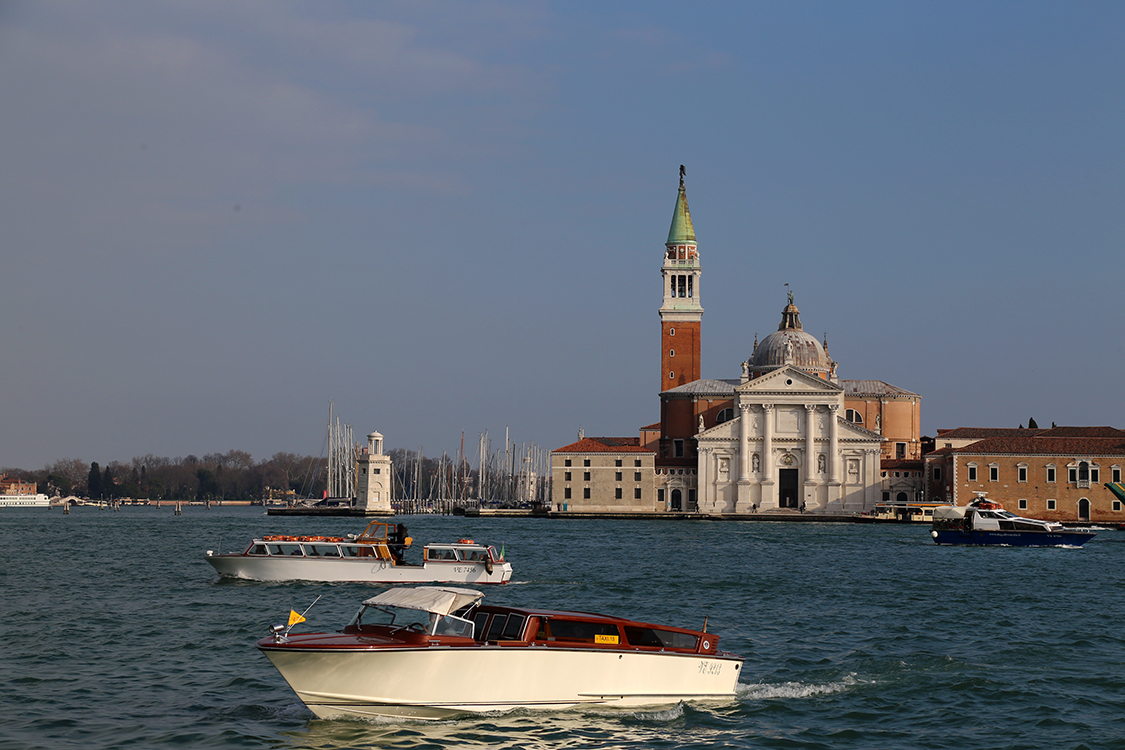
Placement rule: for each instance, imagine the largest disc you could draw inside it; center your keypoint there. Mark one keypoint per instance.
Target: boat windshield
(412, 619)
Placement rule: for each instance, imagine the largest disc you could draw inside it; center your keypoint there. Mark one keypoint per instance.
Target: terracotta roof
(910, 464)
(1047, 446)
(653, 426)
(605, 445)
(979, 433)
(1092, 432)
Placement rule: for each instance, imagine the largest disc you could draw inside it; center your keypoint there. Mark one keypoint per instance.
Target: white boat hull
(352, 570)
(435, 682)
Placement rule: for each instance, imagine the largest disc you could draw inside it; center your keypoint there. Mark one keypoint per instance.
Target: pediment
(789, 379)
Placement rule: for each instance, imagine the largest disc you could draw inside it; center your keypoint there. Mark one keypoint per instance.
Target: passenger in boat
(398, 543)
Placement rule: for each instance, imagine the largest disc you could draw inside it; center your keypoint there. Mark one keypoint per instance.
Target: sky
(449, 218)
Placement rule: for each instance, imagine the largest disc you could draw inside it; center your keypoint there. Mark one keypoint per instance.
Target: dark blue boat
(985, 522)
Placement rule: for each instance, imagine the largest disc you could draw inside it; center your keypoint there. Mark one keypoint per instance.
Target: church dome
(790, 345)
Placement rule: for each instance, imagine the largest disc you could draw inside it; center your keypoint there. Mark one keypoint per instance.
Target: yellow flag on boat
(295, 618)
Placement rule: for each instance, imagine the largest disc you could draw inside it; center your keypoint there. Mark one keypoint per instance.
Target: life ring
(464, 541)
(706, 644)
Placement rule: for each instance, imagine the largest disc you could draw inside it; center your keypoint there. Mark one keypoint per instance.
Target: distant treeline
(233, 475)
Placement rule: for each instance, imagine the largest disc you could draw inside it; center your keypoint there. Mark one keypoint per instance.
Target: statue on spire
(682, 173)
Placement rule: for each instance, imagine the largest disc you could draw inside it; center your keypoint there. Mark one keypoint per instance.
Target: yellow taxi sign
(599, 638)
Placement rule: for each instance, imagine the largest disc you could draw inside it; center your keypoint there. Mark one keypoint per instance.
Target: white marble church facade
(787, 447)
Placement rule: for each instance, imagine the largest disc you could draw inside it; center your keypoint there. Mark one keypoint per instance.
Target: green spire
(681, 229)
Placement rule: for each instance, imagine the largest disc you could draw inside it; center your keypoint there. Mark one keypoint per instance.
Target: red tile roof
(604, 445)
(1047, 446)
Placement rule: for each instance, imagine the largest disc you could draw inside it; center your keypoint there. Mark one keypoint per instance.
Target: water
(116, 634)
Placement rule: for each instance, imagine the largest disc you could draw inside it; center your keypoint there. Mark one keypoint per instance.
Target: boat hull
(1012, 538)
(435, 682)
(357, 570)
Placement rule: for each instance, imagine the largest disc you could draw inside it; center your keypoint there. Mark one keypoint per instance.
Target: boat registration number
(460, 569)
(710, 667)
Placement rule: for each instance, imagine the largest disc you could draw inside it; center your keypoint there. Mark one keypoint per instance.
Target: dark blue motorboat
(985, 522)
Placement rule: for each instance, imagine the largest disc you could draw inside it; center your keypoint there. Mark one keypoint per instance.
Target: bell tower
(681, 315)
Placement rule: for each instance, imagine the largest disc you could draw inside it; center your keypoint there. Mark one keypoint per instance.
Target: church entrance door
(787, 488)
(677, 500)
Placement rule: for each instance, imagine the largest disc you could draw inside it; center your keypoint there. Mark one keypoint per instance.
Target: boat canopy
(440, 600)
(949, 512)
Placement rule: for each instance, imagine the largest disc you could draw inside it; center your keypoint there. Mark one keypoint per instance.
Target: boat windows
(496, 628)
(412, 619)
(473, 555)
(441, 553)
(480, 619)
(285, 549)
(579, 631)
(324, 550)
(513, 629)
(350, 550)
(638, 636)
(258, 549)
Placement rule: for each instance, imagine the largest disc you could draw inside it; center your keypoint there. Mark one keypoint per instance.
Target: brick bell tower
(681, 315)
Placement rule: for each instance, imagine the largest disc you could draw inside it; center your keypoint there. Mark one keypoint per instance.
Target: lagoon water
(116, 634)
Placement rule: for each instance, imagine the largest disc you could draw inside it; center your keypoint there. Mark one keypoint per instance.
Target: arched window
(725, 415)
(853, 416)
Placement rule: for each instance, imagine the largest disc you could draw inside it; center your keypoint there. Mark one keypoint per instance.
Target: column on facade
(810, 442)
(767, 443)
(834, 443)
(744, 443)
(703, 481)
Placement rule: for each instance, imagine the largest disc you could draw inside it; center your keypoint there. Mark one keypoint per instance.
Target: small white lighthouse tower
(374, 480)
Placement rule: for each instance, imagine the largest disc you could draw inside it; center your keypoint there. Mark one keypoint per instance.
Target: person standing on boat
(399, 541)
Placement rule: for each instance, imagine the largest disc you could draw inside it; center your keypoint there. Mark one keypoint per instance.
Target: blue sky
(444, 217)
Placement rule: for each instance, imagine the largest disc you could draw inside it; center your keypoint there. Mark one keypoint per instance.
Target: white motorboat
(375, 556)
(431, 652)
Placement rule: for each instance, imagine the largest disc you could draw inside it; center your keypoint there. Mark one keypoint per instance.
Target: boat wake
(766, 691)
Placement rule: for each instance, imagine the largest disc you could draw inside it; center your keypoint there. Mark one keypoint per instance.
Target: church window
(671, 331)
(886, 496)
(725, 415)
(993, 473)
(690, 290)
(671, 375)
(683, 286)
(972, 472)
(1115, 474)
(853, 416)
(677, 448)
(1050, 472)
(900, 450)
(1022, 472)
(1094, 474)
(660, 497)
(671, 352)
(937, 473)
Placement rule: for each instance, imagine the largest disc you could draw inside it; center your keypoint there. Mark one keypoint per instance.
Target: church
(787, 435)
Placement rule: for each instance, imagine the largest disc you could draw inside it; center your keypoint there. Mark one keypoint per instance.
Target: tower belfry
(681, 315)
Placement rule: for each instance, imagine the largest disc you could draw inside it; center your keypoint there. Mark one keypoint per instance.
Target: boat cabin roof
(441, 600)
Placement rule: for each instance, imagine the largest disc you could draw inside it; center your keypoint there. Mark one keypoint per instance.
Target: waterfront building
(1057, 474)
(787, 434)
(603, 475)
